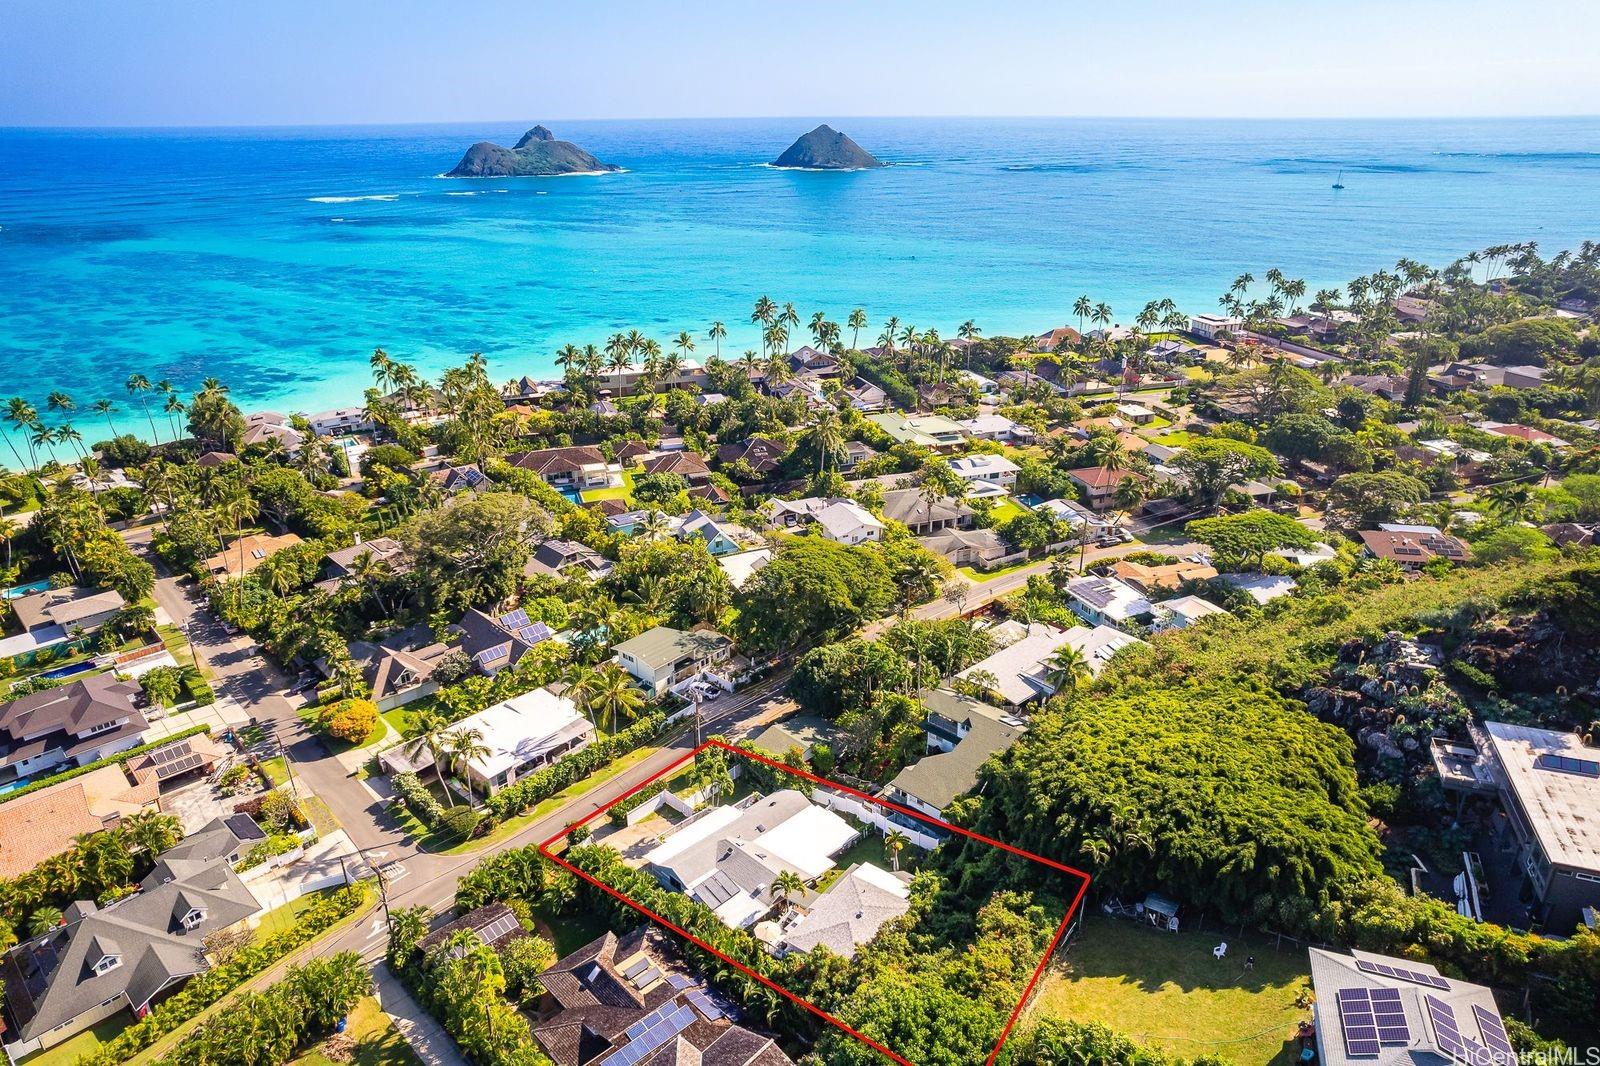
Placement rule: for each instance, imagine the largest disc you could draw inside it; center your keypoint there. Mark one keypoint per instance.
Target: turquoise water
(277, 259)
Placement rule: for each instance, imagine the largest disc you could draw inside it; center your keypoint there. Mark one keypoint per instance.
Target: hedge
(207, 988)
(418, 800)
(119, 757)
(618, 814)
(515, 799)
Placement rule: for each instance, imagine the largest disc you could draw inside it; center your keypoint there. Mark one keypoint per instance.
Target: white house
(1181, 612)
(1020, 669)
(1105, 600)
(1083, 521)
(847, 522)
(524, 734)
(985, 386)
(991, 470)
(996, 428)
(340, 420)
(1208, 326)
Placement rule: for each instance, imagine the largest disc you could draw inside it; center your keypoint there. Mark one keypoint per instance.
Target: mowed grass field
(1166, 990)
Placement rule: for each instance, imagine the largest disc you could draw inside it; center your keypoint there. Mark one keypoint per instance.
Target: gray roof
(800, 731)
(51, 980)
(912, 507)
(382, 549)
(664, 645)
(64, 607)
(720, 851)
(53, 718)
(1332, 972)
(939, 778)
(1559, 804)
(846, 916)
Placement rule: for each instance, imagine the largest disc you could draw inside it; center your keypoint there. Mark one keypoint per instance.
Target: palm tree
(613, 690)
(382, 369)
(1083, 307)
(786, 886)
(1513, 502)
(715, 334)
(1108, 452)
(430, 738)
(18, 413)
(1101, 315)
(1067, 669)
(138, 385)
(684, 345)
(764, 312)
(968, 332)
(173, 408)
(43, 920)
(105, 407)
(893, 844)
(825, 437)
(151, 832)
(857, 322)
(461, 746)
(8, 532)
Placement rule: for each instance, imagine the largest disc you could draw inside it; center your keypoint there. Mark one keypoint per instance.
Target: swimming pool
(68, 671)
(1029, 500)
(12, 786)
(23, 590)
(572, 494)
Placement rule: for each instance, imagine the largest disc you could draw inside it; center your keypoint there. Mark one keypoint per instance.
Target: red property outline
(1038, 971)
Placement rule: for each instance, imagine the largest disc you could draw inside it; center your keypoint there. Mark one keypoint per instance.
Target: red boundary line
(1038, 971)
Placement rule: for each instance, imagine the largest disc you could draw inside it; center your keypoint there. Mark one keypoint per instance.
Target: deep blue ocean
(277, 259)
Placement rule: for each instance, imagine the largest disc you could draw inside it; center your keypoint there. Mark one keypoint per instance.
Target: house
(711, 493)
(102, 960)
(1138, 414)
(494, 924)
(578, 467)
(995, 470)
(630, 1001)
(846, 917)
(566, 558)
(1175, 351)
(1080, 518)
(248, 552)
(962, 735)
(215, 460)
(1411, 310)
(1211, 327)
(795, 514)
(721, 536)
(691, 466)
(1098, 645)
(801, 732)
(1548, 784)
(866, 397)
(985, 386)
(340, 420)
(982, 548)
(399, 669)
(807, 359)
(729, 857)
(340, 566)
(523, 735)
(927, 431)
(996, 428)
(1149, 579)
(1181, 612)
(1523, 433)
(1099, 484)
(1019, 669)
(78, 723)
(1379, 1010)
(625, 381)
(1391, 387)
(1027, 379)
(742, 566)
(661, 659)
(496, 642)
(1523, 377)
(847, 522)
(67, 610)
(1413, 548)
(763, 455)
(1564, 533)
(1263, 588)
(1107, 601)
(454, 480)
(1055, 338)
(856, 452)
(923, 516)
(270, 428)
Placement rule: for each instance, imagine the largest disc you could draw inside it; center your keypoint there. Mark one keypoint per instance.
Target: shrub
(460, 822)
(352, 720)
(270, 848)
(233, 779)
(618, 814)
(306, 1004)
(418, 800)
(580, 764)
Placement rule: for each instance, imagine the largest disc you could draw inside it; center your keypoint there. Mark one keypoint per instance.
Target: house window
(107, 963)
(195, 916)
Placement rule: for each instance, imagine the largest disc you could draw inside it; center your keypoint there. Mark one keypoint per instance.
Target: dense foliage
(267, 1028)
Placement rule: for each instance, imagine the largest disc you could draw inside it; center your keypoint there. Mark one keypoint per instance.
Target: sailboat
(1338, 183)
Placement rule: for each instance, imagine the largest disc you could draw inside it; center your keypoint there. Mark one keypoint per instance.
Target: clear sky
(222, 62)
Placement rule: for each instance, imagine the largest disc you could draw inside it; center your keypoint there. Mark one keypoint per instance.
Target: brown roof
(1168, 576)
(710, 492)
(1411, 549)
(1098, 477)
(40, 825)
(558, 460)
(685, 464)
(762, 454)
(249, 552)
(632, 448)
(612, 506)
(1049, 342)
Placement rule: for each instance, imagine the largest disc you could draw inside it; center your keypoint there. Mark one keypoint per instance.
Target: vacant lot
(1166, 989)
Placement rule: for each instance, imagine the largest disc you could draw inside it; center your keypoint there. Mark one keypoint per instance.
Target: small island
(537, 155)
(825, 148)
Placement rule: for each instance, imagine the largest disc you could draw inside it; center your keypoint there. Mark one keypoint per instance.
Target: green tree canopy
(812, 591)
(1243, 539)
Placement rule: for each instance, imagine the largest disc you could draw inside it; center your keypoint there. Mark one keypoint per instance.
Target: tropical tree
(1067, 669)
(432, 737)
(893, 844)
(786, 886)
(715, 335)
(105, 407)
(138, 385)
(611, 688)
(464, 745)
(1083, 307)
(857, 322)
(44, 919)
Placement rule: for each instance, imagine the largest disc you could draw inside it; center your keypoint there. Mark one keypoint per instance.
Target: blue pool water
(1029, 500)
(572, 494)
(277, 259)
(12, 786)
(68, 671)
(23, 590)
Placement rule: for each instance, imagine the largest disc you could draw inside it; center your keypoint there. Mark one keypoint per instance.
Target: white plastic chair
(1220, 951)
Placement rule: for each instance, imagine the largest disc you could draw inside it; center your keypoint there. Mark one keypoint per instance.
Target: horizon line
(336, 124)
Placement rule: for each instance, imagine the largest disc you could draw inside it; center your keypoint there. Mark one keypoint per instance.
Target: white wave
(386, 197)
(461, 194)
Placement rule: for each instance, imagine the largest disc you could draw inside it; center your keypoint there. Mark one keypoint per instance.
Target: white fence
(874, 815)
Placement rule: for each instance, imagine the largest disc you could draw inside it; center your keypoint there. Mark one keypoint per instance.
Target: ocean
(277, 259)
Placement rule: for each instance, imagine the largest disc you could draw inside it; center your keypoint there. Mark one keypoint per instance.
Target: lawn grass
(285, 917)
(275, 770)
(621, 492)
(87, 1042)
(1005, 510)
(321, 816)
(870, 849)
(378, 1042)
(981, 576)
(1178, 438)
(1166, 989)
(568, 932)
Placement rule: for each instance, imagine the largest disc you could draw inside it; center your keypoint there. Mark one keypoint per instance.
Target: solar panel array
(639, 1048)
(702, 1001)
(489, 655)
(1494, 1035)
(1567, 765)
(517, 619)
(681, 981)
(1414, 976)
(501, 926)
(1447, 1034)
(175, 759)
(648, 1022)
(1371, 1019)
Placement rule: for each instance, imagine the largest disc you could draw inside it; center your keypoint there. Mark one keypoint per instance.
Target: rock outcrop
(825, 148)
(537, 155)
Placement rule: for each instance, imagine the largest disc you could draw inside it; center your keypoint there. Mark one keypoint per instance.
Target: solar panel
(1568, 765)
(646, 979)
(649, 1021)
(501, 926)
(1414, 976)
(637, 1049)
(517, 619)
(707, 1006)
(1494, 1035)
(680, 981)
(636, 966)
(182, 766)
(489, 655)
(1356, 1023)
